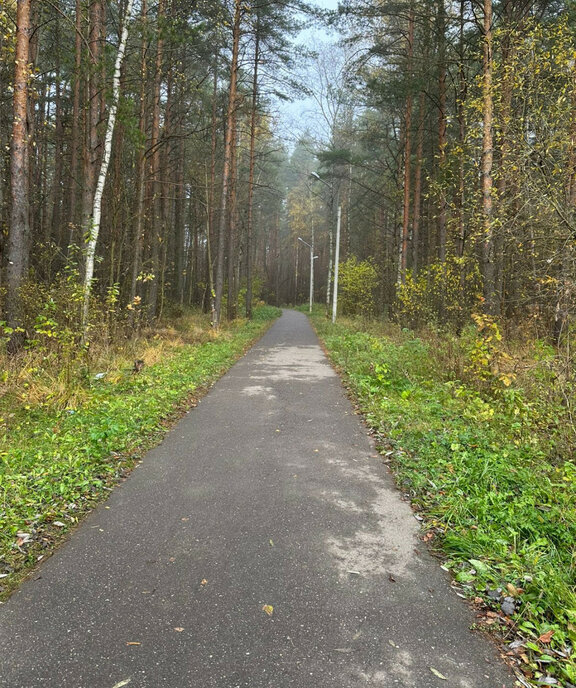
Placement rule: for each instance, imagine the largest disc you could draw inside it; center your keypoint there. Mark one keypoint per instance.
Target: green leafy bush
(358, 282)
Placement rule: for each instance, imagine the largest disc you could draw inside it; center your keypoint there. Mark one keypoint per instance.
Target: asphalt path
(261, 545)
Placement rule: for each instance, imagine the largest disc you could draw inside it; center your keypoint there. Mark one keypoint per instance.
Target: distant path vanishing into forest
(261, 545)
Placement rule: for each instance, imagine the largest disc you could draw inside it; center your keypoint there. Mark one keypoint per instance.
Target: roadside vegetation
(71, 427)
(480, 436)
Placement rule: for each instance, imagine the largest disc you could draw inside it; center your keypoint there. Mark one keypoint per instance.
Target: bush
(446, 292)
(357, 285)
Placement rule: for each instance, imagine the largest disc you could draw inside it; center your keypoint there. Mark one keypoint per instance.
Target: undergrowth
(63, 446)
(481, 439)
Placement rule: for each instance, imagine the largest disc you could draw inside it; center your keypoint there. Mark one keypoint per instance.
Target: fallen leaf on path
(438, 674)
(269, 609)
(185, 519)
(203, 582)
(391, 578)
(354, 573)
(179, 630)
(344, 650)
(133, 643)
(271, 543)
(125, 682)
(391, 642)
(546, 637)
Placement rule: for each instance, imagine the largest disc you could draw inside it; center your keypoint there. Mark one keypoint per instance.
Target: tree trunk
(94, 227)
(155, 165)
(403, 262)
(19, 237)
(488, 258)
(417, 211)
(250, 220)
(233, 243)
(76, 120)
(139, 212)
(92, 152)
(210, 195)
(462, 92)
(55, 204)
(229, 152)
(442, 119)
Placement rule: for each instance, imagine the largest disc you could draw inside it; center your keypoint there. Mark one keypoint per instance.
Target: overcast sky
(295, 117)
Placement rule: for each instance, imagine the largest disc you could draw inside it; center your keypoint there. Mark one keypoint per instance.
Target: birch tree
(94, 229)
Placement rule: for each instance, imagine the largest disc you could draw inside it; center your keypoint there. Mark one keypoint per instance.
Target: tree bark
(488, 258)
(417, 211)
(139, 211)
(228, 153)
(250, 220)
(210, 196)
(442, 120)
(462, 92)
(155, 165)
(76, 119)
(92, 152)
(403, 262)
(94, 227)
(19, 237)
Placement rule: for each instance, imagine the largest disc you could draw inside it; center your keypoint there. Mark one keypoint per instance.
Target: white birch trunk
(94, 229)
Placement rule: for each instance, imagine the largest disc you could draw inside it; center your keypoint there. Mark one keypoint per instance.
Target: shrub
(357, 285)
(446, 292)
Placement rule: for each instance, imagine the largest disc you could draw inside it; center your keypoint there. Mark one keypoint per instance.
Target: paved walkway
(262, 545)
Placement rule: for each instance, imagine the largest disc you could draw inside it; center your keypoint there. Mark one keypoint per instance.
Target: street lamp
(337, 248)
(312, 259)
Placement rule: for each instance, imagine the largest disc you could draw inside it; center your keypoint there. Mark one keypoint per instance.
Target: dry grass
(44, 376)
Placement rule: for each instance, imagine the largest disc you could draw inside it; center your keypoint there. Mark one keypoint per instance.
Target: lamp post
(312, 258)
(336, 248)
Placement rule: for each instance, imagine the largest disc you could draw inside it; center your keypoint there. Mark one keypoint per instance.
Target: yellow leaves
(268, 609)
(507, 379)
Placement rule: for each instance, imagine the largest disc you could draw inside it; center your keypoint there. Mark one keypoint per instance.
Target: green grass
(55, 465)
(486, 473)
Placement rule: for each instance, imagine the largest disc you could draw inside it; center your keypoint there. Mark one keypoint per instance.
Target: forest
(443, 131)
(167, 167)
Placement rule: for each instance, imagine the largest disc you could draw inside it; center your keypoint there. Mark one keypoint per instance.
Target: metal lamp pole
(336, 248)
(336, 266)
(312, 256)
